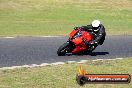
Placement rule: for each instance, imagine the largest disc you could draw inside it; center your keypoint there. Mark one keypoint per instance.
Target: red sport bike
(75, 44)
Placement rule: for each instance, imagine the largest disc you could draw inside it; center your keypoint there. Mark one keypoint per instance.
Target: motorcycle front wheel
(63, 49)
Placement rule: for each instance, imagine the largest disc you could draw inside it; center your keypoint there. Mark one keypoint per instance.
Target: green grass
(63, 76)
(58, 17)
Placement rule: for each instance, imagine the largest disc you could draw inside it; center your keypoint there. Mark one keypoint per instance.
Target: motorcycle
(76, 43)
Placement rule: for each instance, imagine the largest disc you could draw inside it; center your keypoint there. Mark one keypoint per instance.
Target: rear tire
(63, 49)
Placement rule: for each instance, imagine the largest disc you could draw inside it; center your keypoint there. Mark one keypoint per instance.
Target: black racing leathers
(98, 36)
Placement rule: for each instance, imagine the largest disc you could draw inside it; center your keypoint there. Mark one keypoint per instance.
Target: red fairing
(79, 44)
(72, 33)
(86, 36)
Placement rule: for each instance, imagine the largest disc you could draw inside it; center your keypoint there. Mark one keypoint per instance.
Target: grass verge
(63, 76)
(58, 17)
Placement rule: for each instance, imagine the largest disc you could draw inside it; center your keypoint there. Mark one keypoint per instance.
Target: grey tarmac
(36, 50)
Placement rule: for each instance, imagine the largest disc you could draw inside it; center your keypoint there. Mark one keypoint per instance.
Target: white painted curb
(56, 63)
(50, 36)
(82, 61)
(44, 64)
(71, 62)
(10, 37)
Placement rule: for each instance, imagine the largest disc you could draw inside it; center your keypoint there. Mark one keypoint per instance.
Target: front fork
(71, 45)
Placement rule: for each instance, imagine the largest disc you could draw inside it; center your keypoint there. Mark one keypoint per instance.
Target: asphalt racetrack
(36, 50)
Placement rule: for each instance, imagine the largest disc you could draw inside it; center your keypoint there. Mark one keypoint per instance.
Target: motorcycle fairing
(77, 36)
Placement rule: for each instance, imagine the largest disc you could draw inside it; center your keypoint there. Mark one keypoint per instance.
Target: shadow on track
(98, 53)
(91, 54)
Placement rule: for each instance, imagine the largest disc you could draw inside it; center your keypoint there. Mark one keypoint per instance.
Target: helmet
(96, 23)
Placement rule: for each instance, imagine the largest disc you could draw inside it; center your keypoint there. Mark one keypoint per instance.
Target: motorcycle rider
(97, 31)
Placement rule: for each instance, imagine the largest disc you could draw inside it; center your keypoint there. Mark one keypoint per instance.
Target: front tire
(63, 49)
